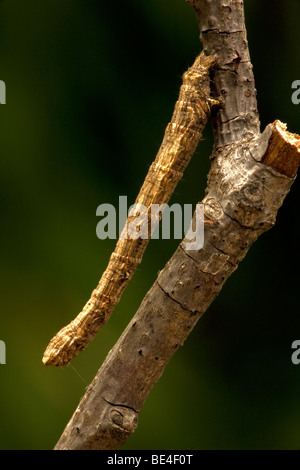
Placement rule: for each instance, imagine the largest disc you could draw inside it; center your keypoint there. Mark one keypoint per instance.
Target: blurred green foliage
(90, 88)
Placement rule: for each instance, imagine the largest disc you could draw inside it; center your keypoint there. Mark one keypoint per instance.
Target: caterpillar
(180, 140)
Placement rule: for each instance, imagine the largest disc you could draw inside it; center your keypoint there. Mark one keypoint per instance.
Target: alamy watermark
(296, 95)
(2, 352)
(2, 92)
(144, 223)
(296, 354)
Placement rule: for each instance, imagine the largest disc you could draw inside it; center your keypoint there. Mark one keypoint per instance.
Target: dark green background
(90, 88)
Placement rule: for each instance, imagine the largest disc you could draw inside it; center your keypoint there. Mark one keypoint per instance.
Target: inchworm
(182, 135)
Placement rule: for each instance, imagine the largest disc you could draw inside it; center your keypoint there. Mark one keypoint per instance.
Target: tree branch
(223, 32)
(251, 173)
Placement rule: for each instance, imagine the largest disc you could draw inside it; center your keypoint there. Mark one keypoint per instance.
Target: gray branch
(251, 173)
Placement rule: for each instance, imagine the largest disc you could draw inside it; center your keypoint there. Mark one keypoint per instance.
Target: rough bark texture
(223, 32)
(251, 173)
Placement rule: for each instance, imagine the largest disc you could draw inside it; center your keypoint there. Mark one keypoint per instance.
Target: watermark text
(296, 354)
(2, 352)
(143, 223)
(2, 92)
(296, 94)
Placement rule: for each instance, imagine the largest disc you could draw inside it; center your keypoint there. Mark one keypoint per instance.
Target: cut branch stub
(283, 151)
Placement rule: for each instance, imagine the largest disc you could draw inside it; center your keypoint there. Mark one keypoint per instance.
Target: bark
(223, 32)
(251, 173)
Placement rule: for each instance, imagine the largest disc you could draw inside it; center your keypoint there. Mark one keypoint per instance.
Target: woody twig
(251, 174)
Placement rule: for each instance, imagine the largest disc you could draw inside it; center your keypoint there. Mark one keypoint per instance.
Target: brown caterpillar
(181, 137)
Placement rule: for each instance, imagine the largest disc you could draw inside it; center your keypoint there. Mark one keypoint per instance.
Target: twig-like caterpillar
(179, 143)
